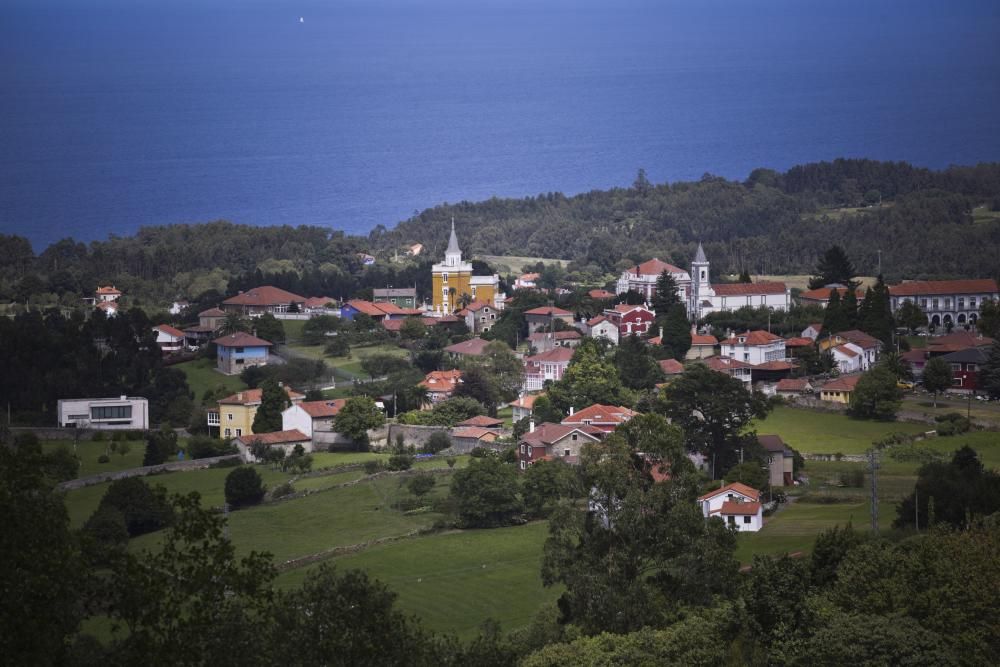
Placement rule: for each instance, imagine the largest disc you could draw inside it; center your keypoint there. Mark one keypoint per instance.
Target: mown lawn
(454, 581)
(202, 376)
(88, 452)
(815, 432)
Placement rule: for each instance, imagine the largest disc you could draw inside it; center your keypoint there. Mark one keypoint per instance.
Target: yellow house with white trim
(234, 415)
(452, 282)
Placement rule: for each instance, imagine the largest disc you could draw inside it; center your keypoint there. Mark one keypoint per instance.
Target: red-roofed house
(642, 278)
(754, 347)
(813, 330)
(543, 341)
(793, 387)
(559, 441)
(263, 299)
(601, 294)
(523, 407)
(440, 385)
(545, 366)
(797, 346)
(821, 295)
(527, 281)
(473, 347)
(869, 346)
(605, 417)
(944, 301)
(234, 415)
(602, 327)
(240, 350)
(840, 389)
(544, 316)
(702, 346)
(671, 367)
(482, 421)
(740, 370)
(630, 320)
(736, 504)
(466, 438)
(479, 316)
(956, 342)
(286, 440)
(106, 293)
(847, 357)
(314, 418)
(320, 304)
(169, 338)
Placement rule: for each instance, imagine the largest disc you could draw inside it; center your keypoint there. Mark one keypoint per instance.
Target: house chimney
(571, 409)
(531, 426)
(239, 396)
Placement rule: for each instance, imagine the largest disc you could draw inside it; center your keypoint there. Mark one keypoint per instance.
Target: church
(698, 293)
(454, 286)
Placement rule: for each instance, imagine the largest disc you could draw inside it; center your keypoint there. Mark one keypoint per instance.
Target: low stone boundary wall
(195, 464)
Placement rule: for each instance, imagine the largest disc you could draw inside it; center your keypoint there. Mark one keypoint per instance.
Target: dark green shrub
(119, 436)
(400, 461)
(373, 466)
(103, 458)
(451, 461)
(479, 452)
(283, 490)
(438, 441)
(27, 439)
(244, 487)
(145, 509)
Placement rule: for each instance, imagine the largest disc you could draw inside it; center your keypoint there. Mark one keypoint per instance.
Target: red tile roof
(823, 293)
(477, 306)
(846, 351)
(793, 384)
(319, 301)
(627, 308)
(212, 312)
(251, 396)
(724, 364)
(320, 409)
(671, 366)
(366, 307)
(107, 305)
(475, 432)
(601, 414)
(241, 339)
(859, 338)
(548, 311)
(389, 308)
(276, 438)
(843, 383)
(594, 321)
(704, 339)
(392, 325)
(945, 287)
(600, 294)
(472, 347)
(169, 330)
(558, 355)
(265, 295)
(746, 289)
(730, 508)
(549, 433)
(742, 489)
(958, 340)
(482, 421)
(527, 401)
(109, 289)
(799, 341)
(775, 365)
(758, 337)
(441, 380)
(654, 267)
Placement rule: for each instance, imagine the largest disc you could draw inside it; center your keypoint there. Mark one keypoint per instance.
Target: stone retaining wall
(173, 466)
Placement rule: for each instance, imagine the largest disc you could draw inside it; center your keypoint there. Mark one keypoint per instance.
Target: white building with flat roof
(124, 412)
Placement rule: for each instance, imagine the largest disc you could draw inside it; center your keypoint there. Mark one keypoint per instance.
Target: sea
(115, 114)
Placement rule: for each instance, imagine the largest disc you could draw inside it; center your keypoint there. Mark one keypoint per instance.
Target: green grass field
(814, 432)
(455, 581)
(983, 215)
(88, 452)
(202, 376)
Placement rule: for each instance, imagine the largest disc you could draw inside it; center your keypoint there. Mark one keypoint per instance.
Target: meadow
(813, 432)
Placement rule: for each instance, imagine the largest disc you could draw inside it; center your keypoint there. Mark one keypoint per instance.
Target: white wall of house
(297, 418)
(710, 506)
(605, 329)
(124, 412)
(755, 354)
(847, 363)
(746, 523)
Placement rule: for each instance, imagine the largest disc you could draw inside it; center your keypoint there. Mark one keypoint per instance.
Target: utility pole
(879, 261)
(873, 466)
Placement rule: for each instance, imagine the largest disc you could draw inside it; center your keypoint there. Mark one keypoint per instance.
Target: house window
(523, 448)
(746, 519)
(239, 432)
(565, 452)
(574, 437)
(111, 412)
(228, 432)
(934, 304)
(239, 350)
(523, 465)
(961, 302)
(956, 367)
(972, 302)
(229, 416)
(731, 520)
(444, 277)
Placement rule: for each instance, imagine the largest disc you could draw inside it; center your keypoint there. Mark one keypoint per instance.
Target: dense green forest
(928, 224)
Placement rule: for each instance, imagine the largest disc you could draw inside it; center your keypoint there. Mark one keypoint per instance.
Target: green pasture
(88, 452)
(814, 432)
(202, 376)
(454, 581)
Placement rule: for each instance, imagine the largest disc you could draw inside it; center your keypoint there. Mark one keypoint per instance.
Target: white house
(754, 347)
(848, 357)
(813, 331)
(522, 407)
(168, 338)
(736, 504)
(642, 278)
(123, 412)
(540, 368)
(314, 419)
(703, 297)
(740, 370)
(868, 346)
(286, 440)
(602, 327)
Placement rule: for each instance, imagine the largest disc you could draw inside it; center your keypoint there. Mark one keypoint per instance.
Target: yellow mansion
(454, 285)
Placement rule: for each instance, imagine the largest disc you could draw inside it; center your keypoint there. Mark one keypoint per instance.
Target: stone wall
(173, 466)
(415, 436)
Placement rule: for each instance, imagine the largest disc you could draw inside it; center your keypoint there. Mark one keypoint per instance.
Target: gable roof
(549, 433)
(482, 421)
(473, 347)
(859, 338)
(600, 294)
(241, 339)
(703, 339)
(251, 396)
(747, 289)
(169, 330)
(548, 311)
(758, 337)
(774, 365)
(742, 489)
(107, 289)
(724, 364)
(846, 351)
(799, 341)
(441, 380)
(320, 409)
(772, 443)
(212, 312)
(843, 383)
(671, 366)
(367, 307)
(793, 384)
(970, 355)
(930, 287)
(319, 301)
(276, 438)
(601, 414)
(654, 267)
(958, 340)
(477, 306)
(731, 508)
(527, 401)
(475, 432)
(557, 355)
(823, 293)
(628, 308)
(594, 321)
(265, 295)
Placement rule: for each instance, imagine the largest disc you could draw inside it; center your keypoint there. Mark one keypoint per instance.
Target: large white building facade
(696, 290)
(123, 412)
(954, 302)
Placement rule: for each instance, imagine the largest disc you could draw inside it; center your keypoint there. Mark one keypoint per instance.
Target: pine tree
(834, 319)
(989, 374)
(745, 276)
(849, 309)
(666, 295)
(273, 400)
(875, 315)
(834, 267)
(676, 332)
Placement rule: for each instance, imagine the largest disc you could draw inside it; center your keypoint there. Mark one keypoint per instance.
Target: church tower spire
(700, 286)
(453, 255)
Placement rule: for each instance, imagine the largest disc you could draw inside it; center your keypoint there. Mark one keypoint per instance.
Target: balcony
(213, 418)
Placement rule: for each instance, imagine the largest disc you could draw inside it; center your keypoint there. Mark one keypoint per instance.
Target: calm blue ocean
(121, 113)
